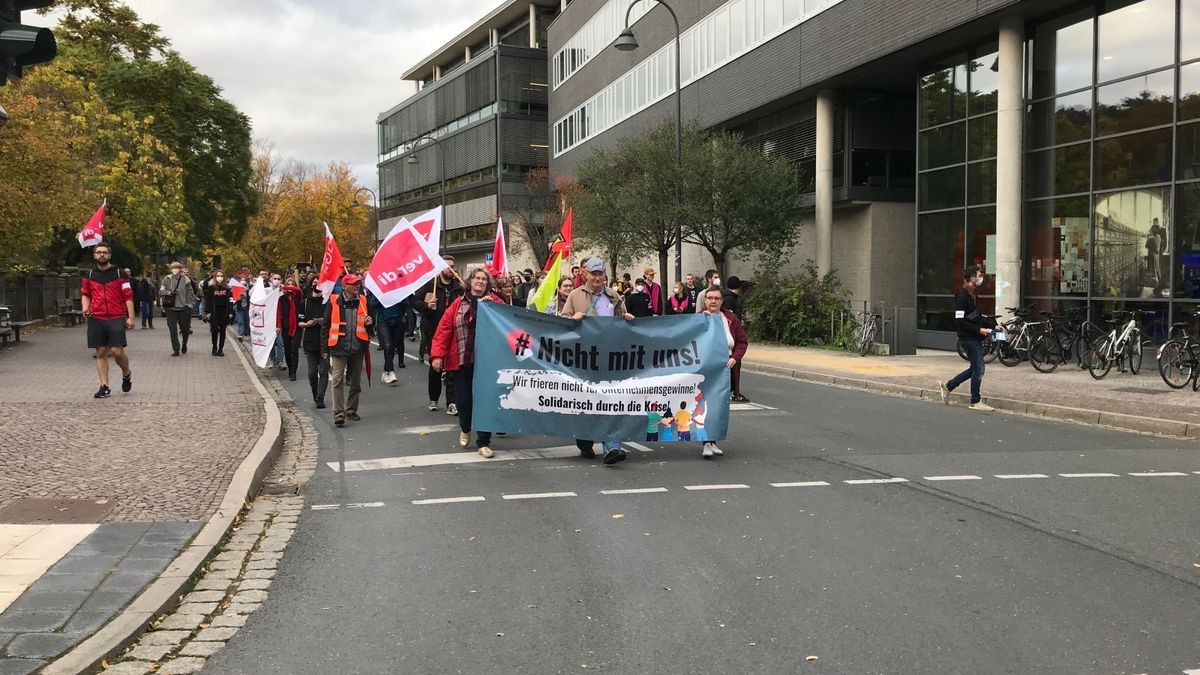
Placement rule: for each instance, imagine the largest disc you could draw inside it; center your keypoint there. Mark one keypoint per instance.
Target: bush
(796, 310)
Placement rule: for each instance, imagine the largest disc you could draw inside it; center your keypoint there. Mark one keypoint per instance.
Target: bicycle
(1021, 333)
(1068, 338)
(1178, 358)
(864, 334)
(988, 343)
(1122, 345)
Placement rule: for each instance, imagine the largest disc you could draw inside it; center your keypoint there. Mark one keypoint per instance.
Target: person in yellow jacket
(345, 341)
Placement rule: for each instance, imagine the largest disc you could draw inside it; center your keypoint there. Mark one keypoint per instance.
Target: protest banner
(264, 305)
(601, 378)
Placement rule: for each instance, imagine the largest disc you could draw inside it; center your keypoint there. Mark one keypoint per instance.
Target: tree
(748, 204)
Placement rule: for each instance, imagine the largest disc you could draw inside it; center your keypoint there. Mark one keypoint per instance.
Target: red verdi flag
(93, 232)
(499, 266)
(332, 266)
(404, 262)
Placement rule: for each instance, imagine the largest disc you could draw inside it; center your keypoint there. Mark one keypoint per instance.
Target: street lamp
(413, 160)
(355, 203)
(626, 42)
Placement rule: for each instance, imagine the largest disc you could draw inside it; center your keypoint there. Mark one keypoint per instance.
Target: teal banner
(601, 378)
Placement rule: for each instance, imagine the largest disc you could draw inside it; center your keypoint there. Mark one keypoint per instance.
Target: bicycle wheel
(1136, 349)
(1173, 365)
(990, 349)
(866, 339)
(1100, 358)
(1008, 354)
(1045, 354)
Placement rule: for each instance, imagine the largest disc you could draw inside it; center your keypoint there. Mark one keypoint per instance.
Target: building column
(533, 26)
(437, 73)
(466, 53)
(1009, 146)
(494, 36)
(824, 178)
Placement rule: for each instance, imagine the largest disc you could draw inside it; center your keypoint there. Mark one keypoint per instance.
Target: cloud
(313, 75)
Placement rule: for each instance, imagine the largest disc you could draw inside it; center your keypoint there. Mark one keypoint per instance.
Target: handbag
(168, 301)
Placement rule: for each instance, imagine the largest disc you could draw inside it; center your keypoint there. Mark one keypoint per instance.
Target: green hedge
(796, 309)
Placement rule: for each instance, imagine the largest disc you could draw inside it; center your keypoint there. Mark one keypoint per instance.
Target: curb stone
(164, 593)
(1051, 411)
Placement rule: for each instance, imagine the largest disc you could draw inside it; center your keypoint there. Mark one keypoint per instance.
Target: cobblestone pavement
(1143, 394)
(163, 452)
(237, 579)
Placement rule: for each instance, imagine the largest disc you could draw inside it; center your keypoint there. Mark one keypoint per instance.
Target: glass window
(772, 17)
(1135, 38)
(981, 183)
(811, 6)
(942, 97)
(737, 27)
(1189, 91)
(939, 252)
(943, 145)
(869, 168)
(1141, 102)
(1130, 236)
(1186, 242)
(1189, 151)
(981, 250)
(1060, 171)
(1189, 40)
(902, 167)
(720, 28)
(1065, 119)
(982, 134)
(941, 189)
(935, 314)
(791, 11)
(1057, 247)
(1062, 55)
(1135, 159)
(984, 81)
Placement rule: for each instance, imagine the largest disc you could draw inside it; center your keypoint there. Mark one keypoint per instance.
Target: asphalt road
(973, 555)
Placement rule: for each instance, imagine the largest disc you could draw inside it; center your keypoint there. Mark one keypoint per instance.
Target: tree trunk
(719, 262)
(662, 287)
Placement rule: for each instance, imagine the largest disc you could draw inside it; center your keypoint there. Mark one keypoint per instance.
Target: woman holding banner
(453, 351)
(565, 286)
(735, 337)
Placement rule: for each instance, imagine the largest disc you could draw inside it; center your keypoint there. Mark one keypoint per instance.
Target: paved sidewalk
(97, 497)
(1067, 393)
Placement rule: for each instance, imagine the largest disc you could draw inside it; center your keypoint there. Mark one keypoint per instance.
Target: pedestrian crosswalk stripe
(428, 429)
(638, 446)
(448, 500)
(750, 406)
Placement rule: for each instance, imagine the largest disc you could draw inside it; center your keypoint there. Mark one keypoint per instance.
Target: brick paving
(166, 451)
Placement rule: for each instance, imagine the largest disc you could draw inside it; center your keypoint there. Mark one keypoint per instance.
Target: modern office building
(1056, 142)
(474, 129)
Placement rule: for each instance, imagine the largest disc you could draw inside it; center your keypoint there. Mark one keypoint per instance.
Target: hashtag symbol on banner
(522, 343)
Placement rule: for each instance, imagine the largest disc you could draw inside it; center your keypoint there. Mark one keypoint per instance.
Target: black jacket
(446, 293)
(732, 302)
(313, 309)
(217, 302)
(968, 318)
(638, 304)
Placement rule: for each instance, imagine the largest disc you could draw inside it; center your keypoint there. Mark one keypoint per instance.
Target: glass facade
(956, 181)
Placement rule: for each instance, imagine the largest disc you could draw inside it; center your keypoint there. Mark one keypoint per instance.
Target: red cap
(351, 279)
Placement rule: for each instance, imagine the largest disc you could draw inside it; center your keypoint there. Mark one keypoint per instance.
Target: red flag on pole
(332, 266)
(93, 232)
(237, 288)
(499, 266)
(561, 246)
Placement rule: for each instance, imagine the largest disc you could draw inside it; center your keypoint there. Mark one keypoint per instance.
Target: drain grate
(279, 489)
(33, 511)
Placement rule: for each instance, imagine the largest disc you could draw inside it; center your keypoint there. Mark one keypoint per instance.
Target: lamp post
(374, 199)
(412, 159)
(626, 42)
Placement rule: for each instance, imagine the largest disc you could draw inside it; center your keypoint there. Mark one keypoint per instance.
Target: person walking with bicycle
(972, 326)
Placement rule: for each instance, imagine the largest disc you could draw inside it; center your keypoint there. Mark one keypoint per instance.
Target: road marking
(750, 406)
(720, 486)
(364, 505)
(807, 483)
(1089, 475)
(1195, 671)
(1009, 476)
(937, 478)
(634, 491)
(464, 457)
(324, 507)
(875, 481)
(1153, 474)
(638, 446)
(447, 500)
(541, 495)
(430, 429)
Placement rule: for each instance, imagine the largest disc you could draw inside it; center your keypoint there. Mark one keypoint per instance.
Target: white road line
(633, 491)
(937, 478)
(324, 507)
(429, 429)
(875, 481)
(638, 446)
(447, 500)
(364, 505)
(750, 406)
(1089, 475)
(1009, 476)
(1154, 474)
(541, 495)
(464, 457)
(724, 486)
(1195, 671)
(807, 483)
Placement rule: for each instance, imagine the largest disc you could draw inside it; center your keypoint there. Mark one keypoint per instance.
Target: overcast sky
(311, 74)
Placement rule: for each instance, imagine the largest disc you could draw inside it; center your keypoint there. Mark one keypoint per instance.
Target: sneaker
(175, 353)
(282, 365)
(707, 452)
(464, 439)
(127, 382)
(103, 391)
(485, 452)
(739, 398)
(716, 449)
(353, 417)
(337, 422)
(432, 406)
(320, 403)
(388, 377)
(981, 407)
(614, 456)
(945, 393)
(452, 409)
(220, 352)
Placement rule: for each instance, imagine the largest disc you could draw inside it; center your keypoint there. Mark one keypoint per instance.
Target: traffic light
(22, 45)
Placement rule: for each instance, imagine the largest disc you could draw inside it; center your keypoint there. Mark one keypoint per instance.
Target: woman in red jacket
(735, 337)
(453, 351)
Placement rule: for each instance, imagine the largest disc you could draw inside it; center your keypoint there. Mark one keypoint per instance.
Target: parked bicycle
(864, 334)
(1123, 346)
(1068, 338)
(1179, 357)
(1021, 333)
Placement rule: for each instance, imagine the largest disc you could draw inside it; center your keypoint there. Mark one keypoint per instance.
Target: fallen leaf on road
(1196, 565)
(810, 658)
(424, 433)
(618, 516)
(665, 588)
(499, 634)
(578, 531)
(531, 606)
(470, 538)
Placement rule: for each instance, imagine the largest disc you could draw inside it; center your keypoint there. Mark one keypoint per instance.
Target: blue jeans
(609, 446)
(277, 353)
(242, 318)
(974, 372)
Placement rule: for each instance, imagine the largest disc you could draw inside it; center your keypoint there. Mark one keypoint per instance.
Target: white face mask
(275, 283)
(716, 281)
(220, 279)
(175, 271)
(978, 282)
(639, 288)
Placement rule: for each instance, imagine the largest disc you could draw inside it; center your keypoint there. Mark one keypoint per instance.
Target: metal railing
(34, 295)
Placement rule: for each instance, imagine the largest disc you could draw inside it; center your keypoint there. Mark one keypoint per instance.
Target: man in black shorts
(107, 298)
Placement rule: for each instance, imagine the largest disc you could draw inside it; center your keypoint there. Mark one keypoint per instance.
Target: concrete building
(1055, 142)
(472, 132)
